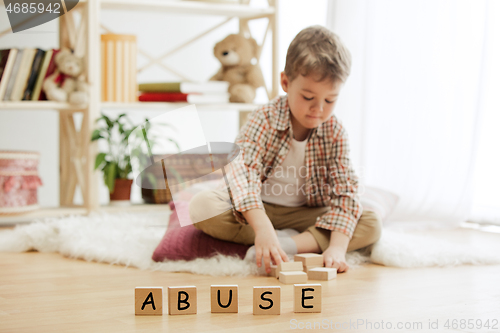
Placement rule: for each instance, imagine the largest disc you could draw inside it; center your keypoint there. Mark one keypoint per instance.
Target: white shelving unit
(76, 152)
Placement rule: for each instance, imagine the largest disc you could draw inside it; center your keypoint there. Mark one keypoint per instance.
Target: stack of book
(22, 72)
(210, 92)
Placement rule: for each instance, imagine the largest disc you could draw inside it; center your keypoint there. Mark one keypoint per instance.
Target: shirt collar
(284, 121)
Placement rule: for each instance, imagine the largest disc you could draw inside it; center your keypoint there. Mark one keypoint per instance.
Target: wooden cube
(224, 298)
(182, 300)
(290, 266)
(307, 268)
(293, 277)
(274, 271)
(307, 298)
(309, 259)
(149, 301)
(267, 300)
(322, 273)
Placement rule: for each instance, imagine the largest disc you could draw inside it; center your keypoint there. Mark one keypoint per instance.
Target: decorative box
(19, 181)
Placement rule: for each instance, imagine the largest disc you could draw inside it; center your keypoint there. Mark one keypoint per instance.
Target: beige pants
(224, 226)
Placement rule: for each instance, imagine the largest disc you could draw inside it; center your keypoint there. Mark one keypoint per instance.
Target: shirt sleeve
(244, 174)
(346, 208)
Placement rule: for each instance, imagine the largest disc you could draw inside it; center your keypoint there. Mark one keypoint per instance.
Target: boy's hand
(335, 257)
(266, 242)
(268, 247)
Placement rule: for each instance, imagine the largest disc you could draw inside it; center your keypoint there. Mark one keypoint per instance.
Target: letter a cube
(149, 301)
(182, 300)
(267, 300)
(307, 298)
(224, 298)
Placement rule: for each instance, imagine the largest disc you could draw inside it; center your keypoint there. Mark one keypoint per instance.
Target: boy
(318, 205)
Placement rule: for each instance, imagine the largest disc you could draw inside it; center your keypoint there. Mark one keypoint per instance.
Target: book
(9, 57)
(186, 87)
(50, 70)
(35, 95)
(22, 74)
(13, 74)
(35, 69)
(182, 97)
(4, 55)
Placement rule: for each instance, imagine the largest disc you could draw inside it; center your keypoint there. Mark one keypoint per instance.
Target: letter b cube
(182, 300)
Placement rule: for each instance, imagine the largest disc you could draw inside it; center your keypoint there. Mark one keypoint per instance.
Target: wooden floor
(50, 293)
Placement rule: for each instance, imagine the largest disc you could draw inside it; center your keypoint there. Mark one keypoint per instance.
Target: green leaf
(127, 133)
(108, 121)
(175, 143)
(97, 120)
(96, 134)
(127, 170)
(120, 128)
(152, 142)
(110, 176)
(99, 159)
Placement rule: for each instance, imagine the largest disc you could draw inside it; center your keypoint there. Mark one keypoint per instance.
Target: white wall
(156, 33)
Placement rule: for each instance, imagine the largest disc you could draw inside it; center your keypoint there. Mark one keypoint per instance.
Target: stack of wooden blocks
(305, 266)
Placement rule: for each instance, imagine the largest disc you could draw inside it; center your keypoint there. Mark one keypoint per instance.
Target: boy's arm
(346, 208)
(267, 245)
(244, 178)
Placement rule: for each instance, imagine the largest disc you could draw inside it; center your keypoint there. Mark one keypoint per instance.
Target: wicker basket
(189, 167)
(159, 196)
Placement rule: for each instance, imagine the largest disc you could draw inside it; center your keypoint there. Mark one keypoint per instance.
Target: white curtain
(420, 84)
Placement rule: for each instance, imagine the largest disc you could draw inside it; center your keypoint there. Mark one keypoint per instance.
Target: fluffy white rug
(130, 239)
(426, 248)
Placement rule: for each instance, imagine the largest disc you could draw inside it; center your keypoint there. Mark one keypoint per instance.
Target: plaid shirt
(264, 141)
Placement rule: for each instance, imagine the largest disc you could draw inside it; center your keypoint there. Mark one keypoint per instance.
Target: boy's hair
(318, 51)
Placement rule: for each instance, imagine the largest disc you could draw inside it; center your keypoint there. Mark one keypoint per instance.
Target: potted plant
(115, 161)
(152, 190)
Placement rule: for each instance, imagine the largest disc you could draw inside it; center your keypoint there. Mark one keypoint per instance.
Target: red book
(186, 98)
(163, 97)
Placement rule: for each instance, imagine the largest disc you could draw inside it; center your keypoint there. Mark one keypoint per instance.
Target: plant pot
(121, 192)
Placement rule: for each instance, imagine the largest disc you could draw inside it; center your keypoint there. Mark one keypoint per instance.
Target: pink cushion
(188, 243)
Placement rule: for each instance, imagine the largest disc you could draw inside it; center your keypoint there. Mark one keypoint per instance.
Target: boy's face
(311, 102)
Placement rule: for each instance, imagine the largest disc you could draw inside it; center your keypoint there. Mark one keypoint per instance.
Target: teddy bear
(67, 83)
(235, 53)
